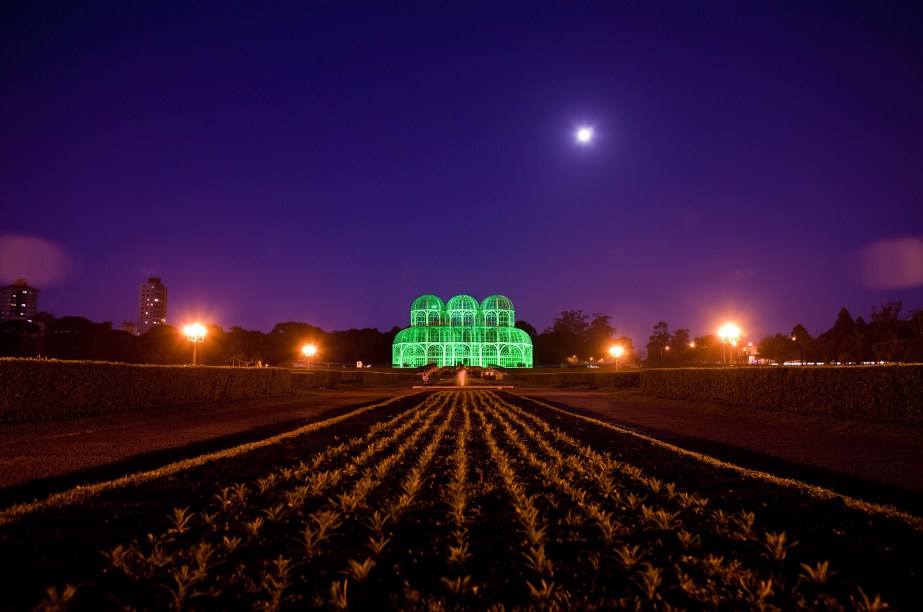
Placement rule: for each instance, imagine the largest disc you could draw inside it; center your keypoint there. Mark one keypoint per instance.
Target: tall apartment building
(153, 310)
(18, 301)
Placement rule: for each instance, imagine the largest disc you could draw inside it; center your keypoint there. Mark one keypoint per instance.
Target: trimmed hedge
(325, 379)
(605, 380)
(890, 393)
(36, 390)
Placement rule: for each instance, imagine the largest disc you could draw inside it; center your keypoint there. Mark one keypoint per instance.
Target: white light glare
(585, 134)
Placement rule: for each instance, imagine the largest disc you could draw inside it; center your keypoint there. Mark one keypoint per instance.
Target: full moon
(585, 134)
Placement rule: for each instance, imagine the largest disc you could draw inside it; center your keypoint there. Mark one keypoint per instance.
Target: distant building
(153, 310)
(18, 301)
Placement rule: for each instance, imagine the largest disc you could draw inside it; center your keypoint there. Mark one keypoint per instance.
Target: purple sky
(328, 162)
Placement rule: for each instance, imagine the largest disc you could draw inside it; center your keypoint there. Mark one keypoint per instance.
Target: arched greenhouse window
(510, 356)
(462, 355)
(490, 355)
(436, 354)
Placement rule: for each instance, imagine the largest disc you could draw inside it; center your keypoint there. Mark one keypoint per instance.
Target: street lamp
(309, 351)
(616, 352)
(730, 334)
(801, 348)
(194, 333)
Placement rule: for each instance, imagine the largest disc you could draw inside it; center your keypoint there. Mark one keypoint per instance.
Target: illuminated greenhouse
(462, 332)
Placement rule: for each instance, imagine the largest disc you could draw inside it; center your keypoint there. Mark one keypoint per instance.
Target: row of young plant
(463, 500)
(647, 542)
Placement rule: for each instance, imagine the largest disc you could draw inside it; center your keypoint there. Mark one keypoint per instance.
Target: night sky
(328, 162)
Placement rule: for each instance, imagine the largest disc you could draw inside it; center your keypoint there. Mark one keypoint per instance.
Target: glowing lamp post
(309, 351)
(616, 352)
(795, 340)
(730, 334)
(195, 333)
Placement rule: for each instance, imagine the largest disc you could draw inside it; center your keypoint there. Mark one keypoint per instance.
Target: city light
(195, 333)
(616, 352)
(730, 334)
(309, 351)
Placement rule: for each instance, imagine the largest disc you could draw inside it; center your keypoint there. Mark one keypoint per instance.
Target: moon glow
(584, 134)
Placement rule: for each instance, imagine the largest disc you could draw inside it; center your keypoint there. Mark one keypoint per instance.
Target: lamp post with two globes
(195, 333)
(730, 334)
(616, 352)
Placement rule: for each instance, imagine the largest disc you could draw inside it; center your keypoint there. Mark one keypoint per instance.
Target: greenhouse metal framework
(462, 332)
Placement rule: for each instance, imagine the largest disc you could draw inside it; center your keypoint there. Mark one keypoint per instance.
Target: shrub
(37, 390)
(889, 393)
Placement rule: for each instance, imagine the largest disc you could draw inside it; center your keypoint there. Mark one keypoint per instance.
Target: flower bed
(459, 499)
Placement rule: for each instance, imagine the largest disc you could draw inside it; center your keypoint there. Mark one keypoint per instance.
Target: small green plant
(757, 593)
(864, 604)
(224, 497)
(275, 582)
(275, 513)
(688, 540)
(818, 574)
(208, 519)
(628, 556)
(744, 521)
(57, 600)
(338, 595)
(254, 527)
(180, 520)
(459, 554)
(239, 492)
(120, 558)
(184, 579)
(377, 521)
(777, 545)
(359, 570)
(265, 484)
(545, 592)
(650, 579)
(231, 543)
(377, 544)
(457, 586)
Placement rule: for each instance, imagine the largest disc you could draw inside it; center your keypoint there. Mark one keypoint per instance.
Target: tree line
(80, 338)
(573, 336)
(886, 337)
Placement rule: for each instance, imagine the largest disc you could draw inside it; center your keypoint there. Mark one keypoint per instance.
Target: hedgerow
(886, 393)
(36, 390)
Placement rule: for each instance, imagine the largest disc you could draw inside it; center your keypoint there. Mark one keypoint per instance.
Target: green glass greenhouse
(462, 332)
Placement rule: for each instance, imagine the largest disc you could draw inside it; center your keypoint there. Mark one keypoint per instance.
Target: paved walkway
(876, 463)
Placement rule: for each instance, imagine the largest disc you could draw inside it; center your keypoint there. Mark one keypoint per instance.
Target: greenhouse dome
(462, 332)
(426, 310)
